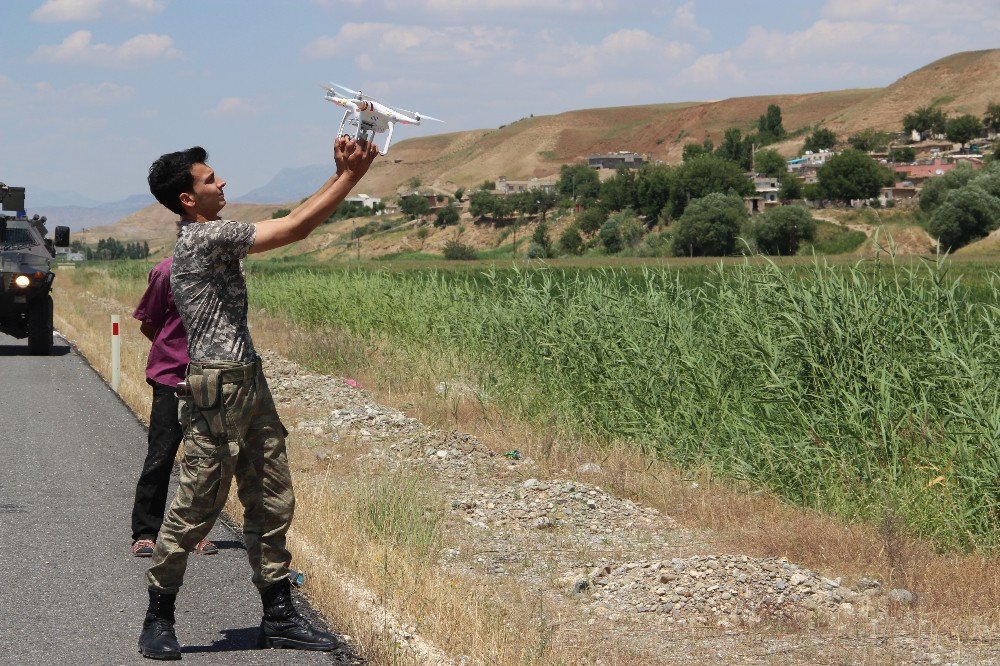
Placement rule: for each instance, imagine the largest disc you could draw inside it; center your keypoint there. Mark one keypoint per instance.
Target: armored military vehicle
(26, 272)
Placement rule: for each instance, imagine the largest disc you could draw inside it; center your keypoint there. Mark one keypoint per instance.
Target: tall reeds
(867, 391)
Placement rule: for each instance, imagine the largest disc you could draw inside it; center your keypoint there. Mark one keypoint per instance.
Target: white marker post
(116, 353)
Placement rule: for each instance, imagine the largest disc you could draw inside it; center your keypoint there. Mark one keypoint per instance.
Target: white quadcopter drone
(370, 116)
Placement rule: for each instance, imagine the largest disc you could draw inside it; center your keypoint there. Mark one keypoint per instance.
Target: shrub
(709, 226)
(536, 251)
(966, 215)
(281, 212)
(611, 236)
(457, 251)
(570, 241)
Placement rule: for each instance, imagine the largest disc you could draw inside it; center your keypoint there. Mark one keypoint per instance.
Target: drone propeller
(423, 117)
(346, 89)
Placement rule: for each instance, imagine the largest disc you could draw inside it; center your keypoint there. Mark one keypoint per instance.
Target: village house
(901, 194)
(363, 199)
(624, 158)
(918, 173)
(766, 190)
(505, 187)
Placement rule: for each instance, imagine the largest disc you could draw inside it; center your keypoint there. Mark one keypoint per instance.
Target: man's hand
(339, 150)
(358, 157)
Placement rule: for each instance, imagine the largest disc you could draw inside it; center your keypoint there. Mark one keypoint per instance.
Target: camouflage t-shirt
(210, 288)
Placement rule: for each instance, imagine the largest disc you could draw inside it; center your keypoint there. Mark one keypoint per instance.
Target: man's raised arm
(356, 158)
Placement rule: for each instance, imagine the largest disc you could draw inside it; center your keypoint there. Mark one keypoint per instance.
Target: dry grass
(370, 555)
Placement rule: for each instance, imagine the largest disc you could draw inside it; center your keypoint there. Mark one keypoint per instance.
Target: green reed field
(867, 390)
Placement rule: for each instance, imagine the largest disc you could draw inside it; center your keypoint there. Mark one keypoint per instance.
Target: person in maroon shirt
(168, 359)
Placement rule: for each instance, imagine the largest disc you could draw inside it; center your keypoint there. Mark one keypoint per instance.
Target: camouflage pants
(239, 435)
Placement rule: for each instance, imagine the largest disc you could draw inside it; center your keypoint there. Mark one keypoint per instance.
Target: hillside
(537, 146)
(157, 225)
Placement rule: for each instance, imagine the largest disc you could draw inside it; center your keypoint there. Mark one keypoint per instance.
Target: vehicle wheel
(40, 326)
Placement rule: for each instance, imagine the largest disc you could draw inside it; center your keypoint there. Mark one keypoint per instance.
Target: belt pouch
(206, 388)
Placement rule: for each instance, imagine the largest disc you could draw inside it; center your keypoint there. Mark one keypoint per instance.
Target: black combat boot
(283, 627)
(158, 640)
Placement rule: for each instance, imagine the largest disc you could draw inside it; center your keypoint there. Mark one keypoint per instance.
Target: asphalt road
(70, 591)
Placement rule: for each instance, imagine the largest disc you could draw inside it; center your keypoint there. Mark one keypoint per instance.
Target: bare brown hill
(538, 146)
(157, 225)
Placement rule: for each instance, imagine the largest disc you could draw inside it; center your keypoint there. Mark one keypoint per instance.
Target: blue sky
(91, 91)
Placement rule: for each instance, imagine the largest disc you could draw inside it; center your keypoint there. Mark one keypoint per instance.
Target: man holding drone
(231, 427)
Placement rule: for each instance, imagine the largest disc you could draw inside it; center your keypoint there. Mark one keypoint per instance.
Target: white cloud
(509, 5)
(233, 107)
(101, 94)
(684, 23)
(79, 49)
(418, 43)
(55, 11)
(43, 94)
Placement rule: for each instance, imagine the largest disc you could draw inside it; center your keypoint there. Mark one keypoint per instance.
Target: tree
(769, 127)
(924, 120)
(791, 187)
(991, 119)
(422, 234)
(851, 175)
(736, 148)
(578, 181)
(540, 239)
(963, 128)
(482, 203)
(652, 189)
(782, 230)
(591, 219)
(709, 226)
(770, 163)
(967, 214)
(447, 216)
(692, 150)
(705, 175)
(936, 189)
(458, 193)
(619, 191)
(820, 139)
(904, 154)
(870, 139)
(414, 205)
(544, 201)
(570, 241)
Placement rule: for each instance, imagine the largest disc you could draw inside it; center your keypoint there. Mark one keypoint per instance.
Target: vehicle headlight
(22, 281)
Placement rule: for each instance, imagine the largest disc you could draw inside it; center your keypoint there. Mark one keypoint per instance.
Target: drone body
(370, 116)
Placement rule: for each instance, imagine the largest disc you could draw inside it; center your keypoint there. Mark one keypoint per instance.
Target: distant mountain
(78, 217)
(39, 197)
(289, 185)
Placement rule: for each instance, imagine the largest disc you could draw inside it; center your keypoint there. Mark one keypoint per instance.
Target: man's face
(207, 199)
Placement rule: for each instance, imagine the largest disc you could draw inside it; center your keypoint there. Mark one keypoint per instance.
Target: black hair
(170, 176)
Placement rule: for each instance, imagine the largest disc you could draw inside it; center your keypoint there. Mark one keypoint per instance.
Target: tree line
(111, 249)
